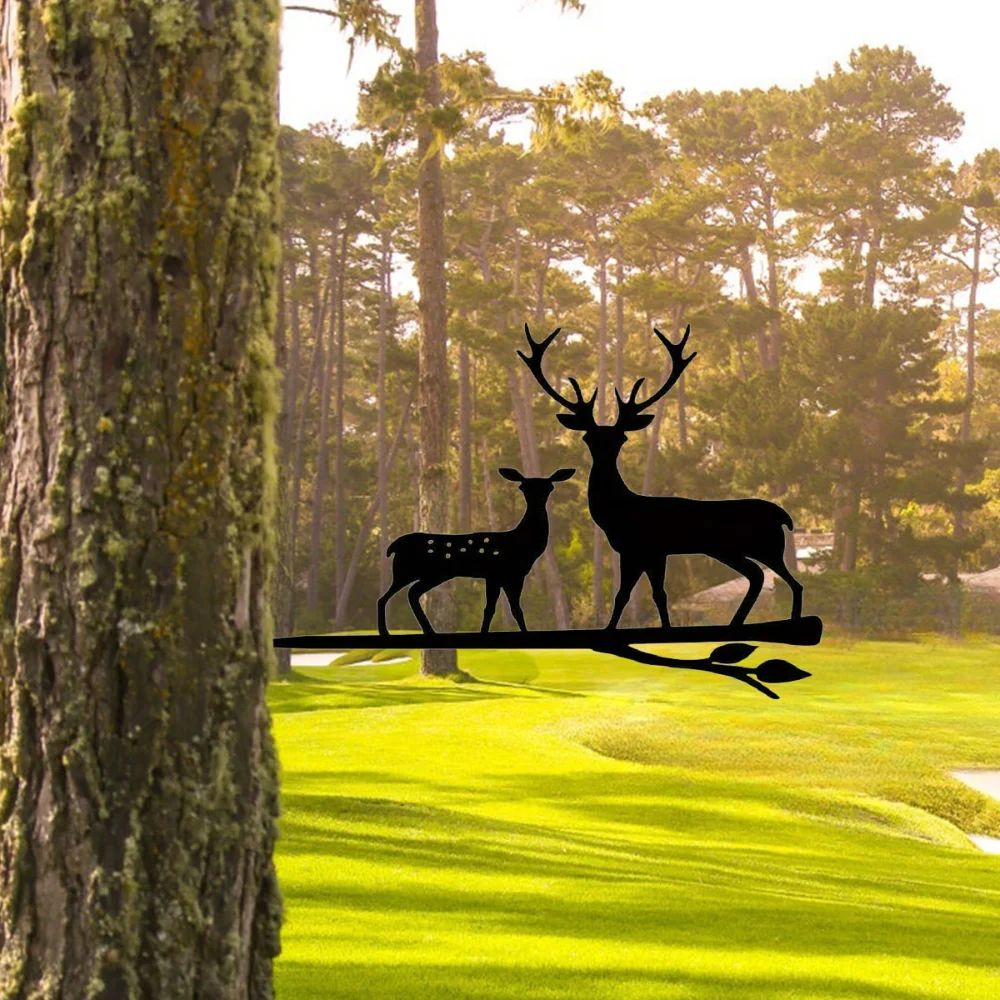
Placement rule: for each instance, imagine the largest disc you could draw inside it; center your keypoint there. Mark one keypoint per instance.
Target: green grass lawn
(578, 826)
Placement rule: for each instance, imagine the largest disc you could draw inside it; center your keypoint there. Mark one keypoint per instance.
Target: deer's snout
(541, 488)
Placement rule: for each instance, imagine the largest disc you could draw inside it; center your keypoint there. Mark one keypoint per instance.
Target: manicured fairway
(577, 826)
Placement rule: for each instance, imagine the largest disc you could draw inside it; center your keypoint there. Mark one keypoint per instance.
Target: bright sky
(655, 46)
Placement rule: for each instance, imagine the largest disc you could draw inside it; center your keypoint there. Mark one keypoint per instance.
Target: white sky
(655, 46)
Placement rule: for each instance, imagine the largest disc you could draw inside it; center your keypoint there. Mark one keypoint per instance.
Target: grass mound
(578, 826)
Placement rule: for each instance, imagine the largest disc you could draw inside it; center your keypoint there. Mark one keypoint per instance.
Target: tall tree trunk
(432, 392)
(846, 517)
(298, 460)
(464, 440)
(340, 512)
(654, 435)
(540, 278)
(970, 334)
(137, 272)
(773, 290)
(384, 303)
(491, 519)
(965, 434)
(322, 450)
(281, 579)
(344, 597)
(682, 427)
(753, 297)
(616, 568)
(550, 565)
(602, 350)
(289, 500)
(873, 260)
(290, 383)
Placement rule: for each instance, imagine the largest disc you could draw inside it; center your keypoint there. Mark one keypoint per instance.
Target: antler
(629, 409)
(582, 408)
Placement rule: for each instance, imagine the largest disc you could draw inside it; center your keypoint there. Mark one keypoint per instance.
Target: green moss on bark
(139, 249)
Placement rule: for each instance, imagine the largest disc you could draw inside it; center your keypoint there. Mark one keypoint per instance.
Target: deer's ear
(560, 475)
(573, 421)
(639, 421)
(512, 474)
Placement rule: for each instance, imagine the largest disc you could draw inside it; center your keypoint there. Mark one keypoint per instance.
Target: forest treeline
(867, 406)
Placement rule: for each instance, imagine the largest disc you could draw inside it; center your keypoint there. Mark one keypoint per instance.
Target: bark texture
(138, 245)
(432, 390)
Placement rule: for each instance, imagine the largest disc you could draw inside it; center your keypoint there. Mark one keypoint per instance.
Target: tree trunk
(602, 350)
(384, 303)
(553, 578)
(139, 247)
(322, 451)
(616, 568)
(464, 441)
(432, 392)
(965, 434)
(344, 597)
(873, 260)
(753, 297)
(654, 434)
(298, 461)
(970, 335)
(682, 427)
(491, 519)
(773, 290)
(847, 513)
(281, 580)
(340, 512)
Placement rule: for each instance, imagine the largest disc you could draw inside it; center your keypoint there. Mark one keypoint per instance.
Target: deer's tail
(786, 519)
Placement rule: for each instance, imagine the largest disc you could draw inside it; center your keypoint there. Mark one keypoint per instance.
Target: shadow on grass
(310, 694)
(804, 898)
(493, 981)
(326, 696)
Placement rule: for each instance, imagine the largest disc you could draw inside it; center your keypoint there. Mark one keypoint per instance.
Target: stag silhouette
(645, 530)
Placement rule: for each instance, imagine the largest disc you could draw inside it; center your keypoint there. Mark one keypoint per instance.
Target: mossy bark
(138, 249)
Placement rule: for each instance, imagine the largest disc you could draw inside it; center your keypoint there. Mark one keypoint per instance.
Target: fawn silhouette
(502, 558)
(645, 530)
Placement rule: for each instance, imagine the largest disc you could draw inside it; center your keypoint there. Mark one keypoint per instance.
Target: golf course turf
(573, 825)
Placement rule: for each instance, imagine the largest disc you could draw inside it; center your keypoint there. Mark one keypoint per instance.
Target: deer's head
(605, 440)
(536, 489)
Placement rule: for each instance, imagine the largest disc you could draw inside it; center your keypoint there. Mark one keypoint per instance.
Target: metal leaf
(731, 652)
(779, 672)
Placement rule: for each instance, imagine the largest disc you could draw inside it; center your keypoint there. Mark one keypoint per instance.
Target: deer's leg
(513, 591)
(492, 596)
(394, 588)
(416, 592)
(780, 569)
(655, 573)
(399, 581)
(755, 575)
(630, 573)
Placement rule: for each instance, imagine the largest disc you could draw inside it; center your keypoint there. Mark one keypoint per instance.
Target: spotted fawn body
(424, 560)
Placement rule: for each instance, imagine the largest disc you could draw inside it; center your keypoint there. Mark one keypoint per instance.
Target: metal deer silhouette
(503, 559)
(645, 530)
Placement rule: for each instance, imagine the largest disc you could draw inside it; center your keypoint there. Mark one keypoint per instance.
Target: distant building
(810, 547)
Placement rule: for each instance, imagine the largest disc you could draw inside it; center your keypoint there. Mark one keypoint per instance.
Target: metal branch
(705, 665)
